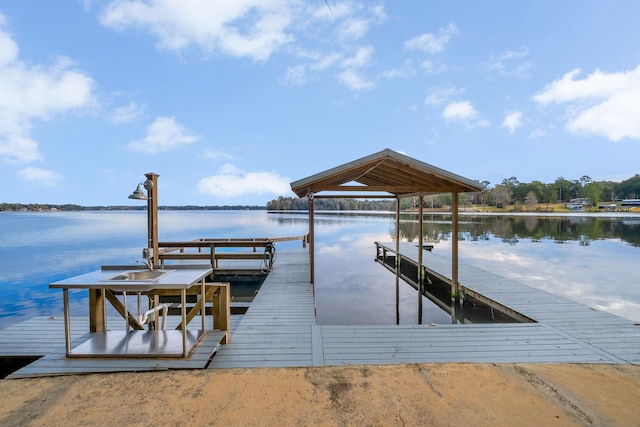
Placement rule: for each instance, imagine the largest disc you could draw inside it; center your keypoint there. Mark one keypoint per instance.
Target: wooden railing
(209, 249)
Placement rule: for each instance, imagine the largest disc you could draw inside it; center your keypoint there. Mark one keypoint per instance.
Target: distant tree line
(509, 192)
(43, 207)
(296, 204)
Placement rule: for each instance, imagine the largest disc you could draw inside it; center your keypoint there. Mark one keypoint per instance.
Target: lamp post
(151, 185)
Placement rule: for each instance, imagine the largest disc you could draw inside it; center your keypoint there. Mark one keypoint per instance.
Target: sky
(230, 101)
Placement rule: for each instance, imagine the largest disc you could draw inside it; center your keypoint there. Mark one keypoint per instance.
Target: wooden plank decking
(615, 337)
(279, 330)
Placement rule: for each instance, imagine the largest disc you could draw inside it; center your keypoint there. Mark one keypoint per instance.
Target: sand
(447, 394)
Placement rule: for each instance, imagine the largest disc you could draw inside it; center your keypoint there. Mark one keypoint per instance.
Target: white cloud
(538, 133)
(8, 48)
(127, 113)
(300, 74)
(459, 111)
(512, 121)
(511, 63)
(354, 81)
(353, 28)
(242, 28)
(232, 182)
(362, 58)
(212, 154)
(351, 76)
(43, 177)
(162, 135)
(430, 67)
(603, 104)
(17, 147)
(257, 29)
(405, 71)
(321, 26)
(440, 95)
(29, 92)
(432, 43)
(296, 75)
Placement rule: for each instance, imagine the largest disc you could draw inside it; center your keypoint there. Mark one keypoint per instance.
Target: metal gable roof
(386, 171)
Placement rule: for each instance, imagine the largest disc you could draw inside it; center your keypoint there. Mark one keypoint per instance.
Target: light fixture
(138, 194)
(151, 196)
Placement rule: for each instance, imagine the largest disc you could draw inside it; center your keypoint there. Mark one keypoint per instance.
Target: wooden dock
(279, 330)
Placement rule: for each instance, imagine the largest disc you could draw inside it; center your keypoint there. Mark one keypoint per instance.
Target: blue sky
(231, 101)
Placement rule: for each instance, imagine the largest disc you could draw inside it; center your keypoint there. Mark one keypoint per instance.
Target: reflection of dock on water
(473, 307)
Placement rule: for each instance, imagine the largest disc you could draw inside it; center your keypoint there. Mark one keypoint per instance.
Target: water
(590, 259)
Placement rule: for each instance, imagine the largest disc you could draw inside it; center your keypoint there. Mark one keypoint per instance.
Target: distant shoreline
(37, 207)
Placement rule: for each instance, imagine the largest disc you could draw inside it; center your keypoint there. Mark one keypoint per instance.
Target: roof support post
(420, 250)
(397, 260)
(311, 238)
(455, 285)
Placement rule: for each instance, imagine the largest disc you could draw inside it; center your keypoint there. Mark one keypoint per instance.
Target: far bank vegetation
(509, 195)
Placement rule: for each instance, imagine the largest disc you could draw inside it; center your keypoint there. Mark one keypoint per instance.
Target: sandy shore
(422, 394)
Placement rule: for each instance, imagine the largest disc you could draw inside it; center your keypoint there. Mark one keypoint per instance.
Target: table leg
(183, 309)
(202, 305)
(67, 325)
(156, 315)
(103, 294)
(126, 311)
(97, 311)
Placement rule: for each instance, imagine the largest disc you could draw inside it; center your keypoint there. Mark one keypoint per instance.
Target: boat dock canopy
(386, 172)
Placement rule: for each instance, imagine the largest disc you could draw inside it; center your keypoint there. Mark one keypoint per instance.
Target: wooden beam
(393, 189)
(355, 196)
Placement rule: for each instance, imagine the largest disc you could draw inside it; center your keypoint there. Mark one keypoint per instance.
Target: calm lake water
(592, 259)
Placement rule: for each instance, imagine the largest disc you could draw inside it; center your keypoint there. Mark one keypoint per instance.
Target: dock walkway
(277, 329)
